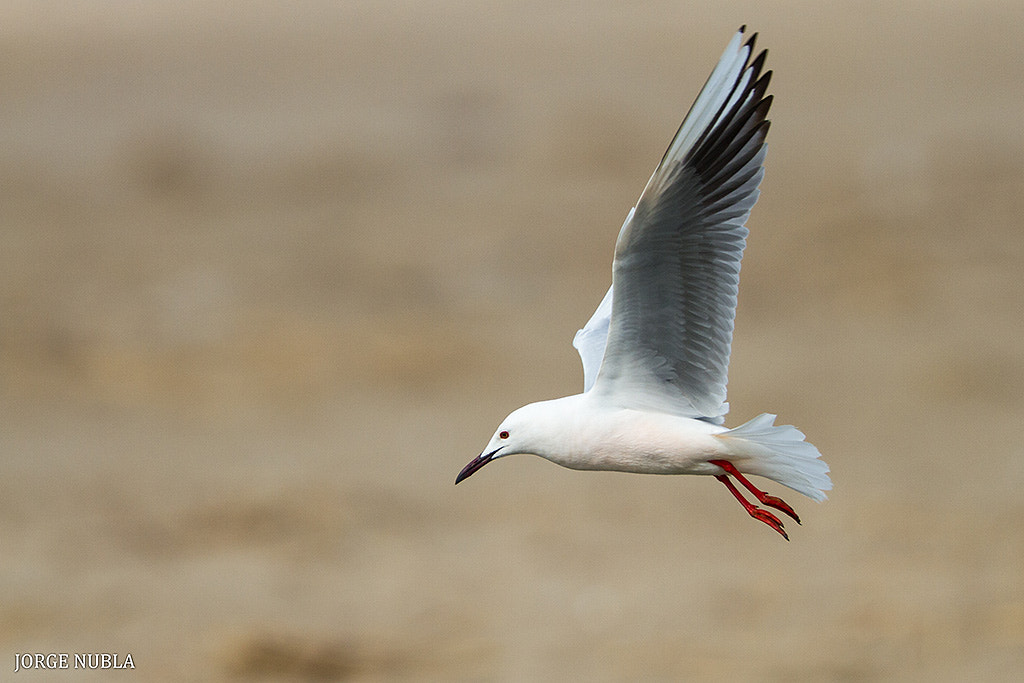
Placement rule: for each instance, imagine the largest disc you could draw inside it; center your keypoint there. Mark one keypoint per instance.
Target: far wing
(590, 341)
(677, 261)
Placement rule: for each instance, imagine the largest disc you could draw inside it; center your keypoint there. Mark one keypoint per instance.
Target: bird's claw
(779, 504)
(769, 519)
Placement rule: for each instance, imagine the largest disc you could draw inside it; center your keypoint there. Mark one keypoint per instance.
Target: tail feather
(780, 453)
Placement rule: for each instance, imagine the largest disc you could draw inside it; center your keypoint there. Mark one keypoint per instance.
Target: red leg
(764, 498)
(754, 511)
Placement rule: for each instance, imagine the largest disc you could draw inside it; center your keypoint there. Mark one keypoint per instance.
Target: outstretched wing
(677, 259)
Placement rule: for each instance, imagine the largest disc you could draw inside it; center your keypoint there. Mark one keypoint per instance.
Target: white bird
(656, 351)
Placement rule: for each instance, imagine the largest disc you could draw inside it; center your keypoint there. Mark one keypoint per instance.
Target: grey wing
(677, 261)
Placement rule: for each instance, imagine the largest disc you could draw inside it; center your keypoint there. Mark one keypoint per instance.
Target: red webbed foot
(762, 497)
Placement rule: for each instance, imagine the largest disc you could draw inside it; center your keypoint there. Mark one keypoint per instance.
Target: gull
(656, 351)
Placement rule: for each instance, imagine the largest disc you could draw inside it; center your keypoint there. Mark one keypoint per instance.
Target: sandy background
(270, 275)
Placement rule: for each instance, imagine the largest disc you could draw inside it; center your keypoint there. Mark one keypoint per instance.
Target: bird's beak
(476, 463)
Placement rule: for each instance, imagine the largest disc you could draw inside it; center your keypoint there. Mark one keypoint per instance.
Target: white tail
(779, 453)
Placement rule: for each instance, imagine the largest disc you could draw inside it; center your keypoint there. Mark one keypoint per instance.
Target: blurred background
(271, 274)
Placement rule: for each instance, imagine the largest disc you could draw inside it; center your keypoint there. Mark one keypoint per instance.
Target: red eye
(503, 435)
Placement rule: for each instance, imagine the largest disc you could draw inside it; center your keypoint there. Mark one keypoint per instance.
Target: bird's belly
(651, 445)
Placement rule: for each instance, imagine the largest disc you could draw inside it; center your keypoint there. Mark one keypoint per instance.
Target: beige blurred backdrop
(271, 274)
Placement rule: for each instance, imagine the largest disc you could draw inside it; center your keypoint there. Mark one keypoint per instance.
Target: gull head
(527, 431)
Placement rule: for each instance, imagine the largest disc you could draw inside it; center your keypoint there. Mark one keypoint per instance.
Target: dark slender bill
(475, 464)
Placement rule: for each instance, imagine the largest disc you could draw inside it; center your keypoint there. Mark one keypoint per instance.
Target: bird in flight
(656, 351)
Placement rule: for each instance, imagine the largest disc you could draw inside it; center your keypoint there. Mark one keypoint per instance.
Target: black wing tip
(749, 45)
(757, 63)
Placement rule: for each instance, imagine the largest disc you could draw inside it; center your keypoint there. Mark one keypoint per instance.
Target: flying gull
(656, 351)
